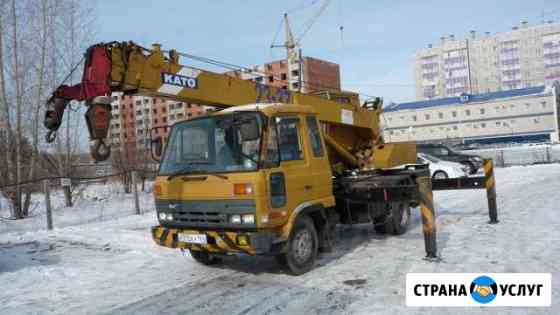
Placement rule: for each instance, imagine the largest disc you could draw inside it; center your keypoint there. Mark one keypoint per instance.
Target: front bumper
(220, 242)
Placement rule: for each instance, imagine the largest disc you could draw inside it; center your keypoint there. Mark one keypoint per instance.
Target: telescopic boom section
(131, 69)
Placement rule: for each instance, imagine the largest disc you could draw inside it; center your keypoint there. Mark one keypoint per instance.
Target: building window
(295, 85)
(270, 79)
(283, 76)
(171, 117)
(536, 120)
(285, 87)
(258, 79)
(189, 115)
(455, 128)
(454, 114)
(155, 121)
(427, 116)
(146, 101)
(467, 112)
(115, 98)
(498, 123)
(138, 102)
(189, 105)
(440, 115)
(413, 117)
(164, 119)
(295, 73)
(483, 125)
(164, 110)
(543, 104)
(482, 111)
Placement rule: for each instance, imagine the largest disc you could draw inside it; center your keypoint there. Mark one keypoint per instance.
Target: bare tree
(4, 106)
(39, 97)
(40, 42)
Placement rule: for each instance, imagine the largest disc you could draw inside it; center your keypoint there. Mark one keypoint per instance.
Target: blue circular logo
(484, 289)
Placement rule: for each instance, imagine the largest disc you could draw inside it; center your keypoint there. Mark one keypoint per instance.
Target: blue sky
(379, 40)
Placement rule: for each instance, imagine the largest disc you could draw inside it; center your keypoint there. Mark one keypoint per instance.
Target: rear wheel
(302, 247)
(440, 175)
(204, 258)
(396, 222)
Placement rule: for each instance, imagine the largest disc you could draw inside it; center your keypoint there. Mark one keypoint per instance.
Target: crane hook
(51, 136)
(99, 150)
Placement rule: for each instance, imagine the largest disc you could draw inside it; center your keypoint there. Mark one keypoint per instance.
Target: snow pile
(6, 206)
(93, 202)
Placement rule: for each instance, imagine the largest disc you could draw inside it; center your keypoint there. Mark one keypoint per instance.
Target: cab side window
(314, 136)
(272, 156)
(289, 139)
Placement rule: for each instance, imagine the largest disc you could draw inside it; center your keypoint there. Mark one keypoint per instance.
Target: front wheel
(302, 247)
(204, 258)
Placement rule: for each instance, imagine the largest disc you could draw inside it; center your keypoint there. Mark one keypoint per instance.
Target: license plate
(193, 238)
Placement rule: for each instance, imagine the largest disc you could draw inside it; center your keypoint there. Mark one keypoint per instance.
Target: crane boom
(131, 69)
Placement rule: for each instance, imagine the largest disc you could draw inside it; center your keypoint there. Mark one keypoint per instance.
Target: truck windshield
(214, 144)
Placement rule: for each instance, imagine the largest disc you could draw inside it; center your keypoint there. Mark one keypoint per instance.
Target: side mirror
(250, 130)
(156, 148)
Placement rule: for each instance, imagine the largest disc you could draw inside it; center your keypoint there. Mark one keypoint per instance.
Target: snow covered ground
(110, 265)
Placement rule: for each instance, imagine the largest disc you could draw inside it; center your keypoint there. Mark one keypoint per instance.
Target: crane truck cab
(251, 179)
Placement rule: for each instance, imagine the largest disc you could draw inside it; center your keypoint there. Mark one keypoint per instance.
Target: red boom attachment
(95, 83)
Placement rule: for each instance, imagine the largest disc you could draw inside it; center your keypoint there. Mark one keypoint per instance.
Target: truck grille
(200, 217)
(205, 213)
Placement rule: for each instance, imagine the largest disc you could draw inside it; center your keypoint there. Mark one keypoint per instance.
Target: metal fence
(521, 155)
(108, 199)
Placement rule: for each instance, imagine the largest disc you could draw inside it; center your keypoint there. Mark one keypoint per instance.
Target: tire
(302, 249)
(397, 222)
(204, 258)
(440, 175)
(470, 165)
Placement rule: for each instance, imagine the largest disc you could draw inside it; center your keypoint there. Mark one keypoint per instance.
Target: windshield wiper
(187, 169)
(246, 156)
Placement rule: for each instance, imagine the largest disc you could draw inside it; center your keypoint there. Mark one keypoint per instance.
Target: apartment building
(519, 115)
(308, 76)
(134, 117)
(525, 56)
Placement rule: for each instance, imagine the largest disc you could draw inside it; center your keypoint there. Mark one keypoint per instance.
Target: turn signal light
(157, 190)
(242, 189)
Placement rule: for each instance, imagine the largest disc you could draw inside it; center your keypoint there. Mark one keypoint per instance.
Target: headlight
(248, 218)
(170, 217)
(235, 219)
(162, 216)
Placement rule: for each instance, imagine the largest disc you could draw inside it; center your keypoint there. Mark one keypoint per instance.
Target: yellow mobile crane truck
(271, 173)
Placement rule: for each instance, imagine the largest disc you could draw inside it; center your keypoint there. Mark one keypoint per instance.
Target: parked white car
(440, 169)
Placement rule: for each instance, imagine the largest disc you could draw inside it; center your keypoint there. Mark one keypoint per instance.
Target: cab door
(318, 160)
(290, 182)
